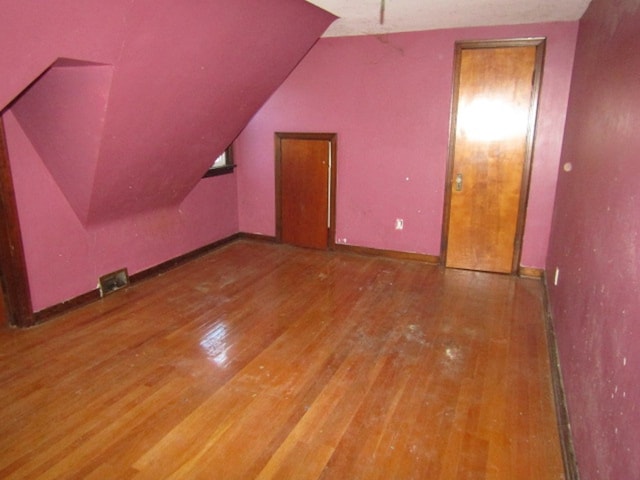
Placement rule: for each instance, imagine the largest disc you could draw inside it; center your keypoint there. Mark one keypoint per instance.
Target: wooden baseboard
(430, 259)
(60, 308)
(174, 262)
(530, 272)
(256, 236)
(94, 295)
(560, 400)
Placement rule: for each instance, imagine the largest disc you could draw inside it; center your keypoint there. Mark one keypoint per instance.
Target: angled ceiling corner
(189, 78)
(63, 113)
(144, 95)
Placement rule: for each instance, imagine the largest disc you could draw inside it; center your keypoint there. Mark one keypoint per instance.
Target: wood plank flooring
(266, 361)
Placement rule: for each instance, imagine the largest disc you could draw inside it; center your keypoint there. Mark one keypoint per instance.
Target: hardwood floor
(266, 361)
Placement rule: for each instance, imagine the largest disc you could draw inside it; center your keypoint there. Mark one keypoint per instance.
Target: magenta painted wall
(187, 77)
(65, 258)
(64, 113)
(113, 112)
(596, 246)
(388, 99)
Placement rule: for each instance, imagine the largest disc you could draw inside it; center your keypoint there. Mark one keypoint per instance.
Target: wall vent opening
(111, 282)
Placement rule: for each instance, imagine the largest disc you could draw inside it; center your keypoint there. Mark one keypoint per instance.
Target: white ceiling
(362, 17)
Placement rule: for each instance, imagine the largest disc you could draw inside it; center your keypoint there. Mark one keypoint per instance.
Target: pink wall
(388, 99)
(63, 114)
(187, 77)
(34, 34)
(65, 258)
(596, 246)
(109, 145)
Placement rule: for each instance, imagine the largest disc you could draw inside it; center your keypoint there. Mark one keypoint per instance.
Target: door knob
(459, 182)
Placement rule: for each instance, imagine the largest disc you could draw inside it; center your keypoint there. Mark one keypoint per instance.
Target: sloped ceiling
(370, 17)
(174, 83)
(63, 115)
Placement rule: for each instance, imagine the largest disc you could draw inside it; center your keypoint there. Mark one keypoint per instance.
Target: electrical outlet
(399, 224)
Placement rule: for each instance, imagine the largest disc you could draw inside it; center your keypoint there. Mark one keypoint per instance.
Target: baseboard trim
(419, 257)
(530, 272)
(177, 261)
(562, 413)
(257, 236)
(94, 295)
(76, 302)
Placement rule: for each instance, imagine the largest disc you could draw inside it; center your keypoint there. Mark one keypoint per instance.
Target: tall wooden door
(305, 189)
(494, 111)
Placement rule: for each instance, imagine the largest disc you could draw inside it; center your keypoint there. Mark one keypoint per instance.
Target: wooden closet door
(494, 115)
(304, 185)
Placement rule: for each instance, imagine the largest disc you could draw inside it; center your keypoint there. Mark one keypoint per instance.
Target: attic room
(234, 350)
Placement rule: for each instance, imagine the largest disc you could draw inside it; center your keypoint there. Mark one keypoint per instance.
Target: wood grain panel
(304, 191)
(262, 360)
(493, 124)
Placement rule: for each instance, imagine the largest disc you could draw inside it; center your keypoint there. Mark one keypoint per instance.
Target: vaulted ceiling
(128, 102)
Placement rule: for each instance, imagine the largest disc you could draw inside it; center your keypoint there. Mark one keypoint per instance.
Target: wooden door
(305, 184)
(494, 109)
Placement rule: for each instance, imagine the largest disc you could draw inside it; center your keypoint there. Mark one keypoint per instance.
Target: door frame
(13, 267)
(332, 139)
(540, 44)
